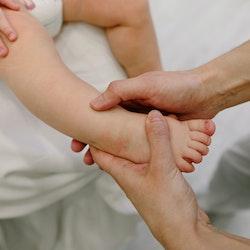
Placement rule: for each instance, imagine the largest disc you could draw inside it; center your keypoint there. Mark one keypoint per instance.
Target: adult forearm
(226, 80)
(207, 237)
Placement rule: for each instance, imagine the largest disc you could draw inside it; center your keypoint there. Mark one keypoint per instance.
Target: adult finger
(10, 4)
(6, 28)
(119, 91)
(159, 140)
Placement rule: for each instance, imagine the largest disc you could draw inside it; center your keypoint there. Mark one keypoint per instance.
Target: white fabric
(38, 168)
(49, 13)
(229, 190)
(190, 33)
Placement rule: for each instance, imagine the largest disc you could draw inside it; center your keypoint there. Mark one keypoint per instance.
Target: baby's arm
(129, 28)
(36, 74)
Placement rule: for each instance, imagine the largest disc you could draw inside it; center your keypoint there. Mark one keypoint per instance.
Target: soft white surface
(190, 33)
(50, 14)
(63, 204)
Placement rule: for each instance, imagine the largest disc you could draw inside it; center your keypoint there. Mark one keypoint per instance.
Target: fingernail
(12, 36)
(155, 116)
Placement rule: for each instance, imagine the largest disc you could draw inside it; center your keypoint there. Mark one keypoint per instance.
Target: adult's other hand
(182, 93)
(163, 197)
(157, 189)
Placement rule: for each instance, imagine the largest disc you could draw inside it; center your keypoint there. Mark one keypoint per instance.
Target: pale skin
(218, 85)
(6, 28)
(203, 92)
(163, 197)
(127, 23)
(30, 83)
(51, 92)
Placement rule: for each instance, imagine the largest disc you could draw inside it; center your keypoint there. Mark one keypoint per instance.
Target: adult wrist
(222, 90)
(192, 239)
(226, 80)
(200, 235)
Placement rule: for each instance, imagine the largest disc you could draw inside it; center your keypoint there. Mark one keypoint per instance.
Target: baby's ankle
(135, 145)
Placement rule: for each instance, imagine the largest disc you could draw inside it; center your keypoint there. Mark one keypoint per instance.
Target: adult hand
(199, 93)
(5, 26)
(163, 198)
(181, 93)
(157, 189)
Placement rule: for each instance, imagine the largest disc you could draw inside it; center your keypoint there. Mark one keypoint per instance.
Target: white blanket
(190, 33)
(38, 168)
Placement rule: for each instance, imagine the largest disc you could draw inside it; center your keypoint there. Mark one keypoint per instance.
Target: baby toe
(200, 147)
(200, 137)
(204, 126)
(192, 155)
(185, 166)
(88, 159)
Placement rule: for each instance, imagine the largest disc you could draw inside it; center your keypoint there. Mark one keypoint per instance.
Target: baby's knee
(71, 10)
(134, 13)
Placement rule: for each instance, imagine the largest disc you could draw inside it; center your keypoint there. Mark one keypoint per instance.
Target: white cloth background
(190, 33)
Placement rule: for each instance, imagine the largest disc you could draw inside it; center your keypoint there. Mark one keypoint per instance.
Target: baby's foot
(190, 141)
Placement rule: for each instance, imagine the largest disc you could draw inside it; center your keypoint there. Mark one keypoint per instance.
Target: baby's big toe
(204, 126)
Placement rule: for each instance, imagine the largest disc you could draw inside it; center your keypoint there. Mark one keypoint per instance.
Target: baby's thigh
(106, 13)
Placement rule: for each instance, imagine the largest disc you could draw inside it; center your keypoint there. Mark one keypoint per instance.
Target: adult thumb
(159, 140)
(117, 92)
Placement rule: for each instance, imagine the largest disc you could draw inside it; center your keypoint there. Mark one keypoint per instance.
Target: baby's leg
(129, 29)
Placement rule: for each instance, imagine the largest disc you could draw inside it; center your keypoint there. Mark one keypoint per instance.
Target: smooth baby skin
(128, 24)
(38, 77)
